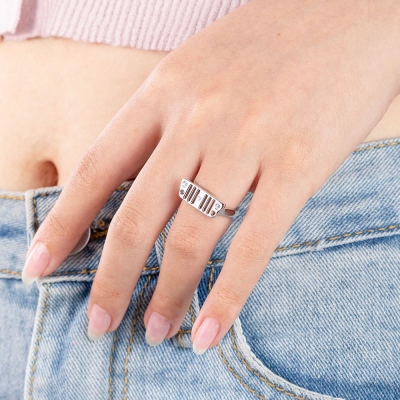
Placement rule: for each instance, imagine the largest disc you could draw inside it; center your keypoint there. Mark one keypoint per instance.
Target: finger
(191, 241)
(134, 229)
(121, 149)
(274, 206)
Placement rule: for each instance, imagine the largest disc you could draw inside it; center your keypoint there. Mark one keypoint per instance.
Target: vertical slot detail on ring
(187, 191)
(191, 193)
(205, 205)
(202, 202)
(195, 196)
(210, 207)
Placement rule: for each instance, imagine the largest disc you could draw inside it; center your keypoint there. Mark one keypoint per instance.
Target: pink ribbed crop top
(145, 24)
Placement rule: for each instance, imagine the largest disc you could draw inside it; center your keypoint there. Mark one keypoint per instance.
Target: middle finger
(190, 242)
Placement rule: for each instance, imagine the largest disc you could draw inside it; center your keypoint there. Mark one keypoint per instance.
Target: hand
(272, 97)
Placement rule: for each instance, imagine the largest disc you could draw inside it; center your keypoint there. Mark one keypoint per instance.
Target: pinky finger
(273, 208)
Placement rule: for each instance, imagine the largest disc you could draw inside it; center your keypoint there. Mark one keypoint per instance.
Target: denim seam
(66, 273)
(35, 214)
(243, 361)
(377, 146)
(211, 278)
(341, 236)
(314, 242)
(7, 271)
(237, 375)
(179, 340)
(10, 197)
(163, 237)
(180, 333)
(33, 368)
(45, 194)
(366, 232)
(393, 227)
(256, 373)
(98, 235)
(185, 331)
(93, 271)
(226, 362)
(279, 249)
(191, 313)
(128, 350)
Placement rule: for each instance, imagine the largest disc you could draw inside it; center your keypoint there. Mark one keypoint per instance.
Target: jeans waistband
(360, 201)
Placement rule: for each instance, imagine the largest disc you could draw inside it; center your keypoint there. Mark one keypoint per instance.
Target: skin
(56, 96)
(272, 98)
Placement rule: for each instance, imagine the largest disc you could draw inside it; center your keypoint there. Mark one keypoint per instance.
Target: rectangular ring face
(199, 198)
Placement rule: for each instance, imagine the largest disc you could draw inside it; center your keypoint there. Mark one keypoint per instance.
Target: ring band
(203, 201)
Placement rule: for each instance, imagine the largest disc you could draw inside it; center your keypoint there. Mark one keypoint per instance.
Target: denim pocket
(246, 365)
(320, 323)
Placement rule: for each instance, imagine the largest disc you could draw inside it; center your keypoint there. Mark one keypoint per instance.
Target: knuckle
(226, 296)
(296, 155)
(205, 104)
(185, 241)
(105, 292)
(86, 173)
(169, 70)
(299, 176)
(297, 161)
(167, 300)
(251, 247)
(164, 78)
(56, 225)
(129, 225)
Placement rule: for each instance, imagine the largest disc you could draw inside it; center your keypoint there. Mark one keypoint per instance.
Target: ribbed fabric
(145, 24)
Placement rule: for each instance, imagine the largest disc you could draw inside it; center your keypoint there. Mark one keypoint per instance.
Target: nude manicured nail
(205, 335)
(99, 322)
(36, 263)
(157, 329)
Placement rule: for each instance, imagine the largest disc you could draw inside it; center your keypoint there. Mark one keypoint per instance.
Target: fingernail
(99, 322)
(157, 329)
(36, 263)
(205, 335)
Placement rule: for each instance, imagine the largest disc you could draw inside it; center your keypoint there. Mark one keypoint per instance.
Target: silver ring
(203, 201)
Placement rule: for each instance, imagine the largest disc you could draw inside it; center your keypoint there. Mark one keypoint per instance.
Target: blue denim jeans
(323, 322)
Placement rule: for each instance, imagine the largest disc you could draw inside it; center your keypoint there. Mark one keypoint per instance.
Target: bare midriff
(57, 95)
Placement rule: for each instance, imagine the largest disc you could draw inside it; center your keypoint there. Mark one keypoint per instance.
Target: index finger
(121, 149)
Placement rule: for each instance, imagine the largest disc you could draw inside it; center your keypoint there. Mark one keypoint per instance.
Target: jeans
(323, 322)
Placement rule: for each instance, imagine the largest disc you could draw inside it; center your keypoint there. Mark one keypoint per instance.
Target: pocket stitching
(236, 375)
(243, 361)
(256, 373)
